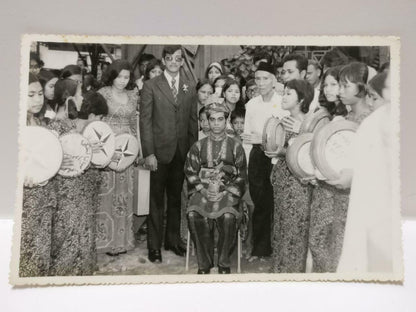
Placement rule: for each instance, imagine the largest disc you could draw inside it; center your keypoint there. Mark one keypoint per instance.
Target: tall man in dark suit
(168, 127)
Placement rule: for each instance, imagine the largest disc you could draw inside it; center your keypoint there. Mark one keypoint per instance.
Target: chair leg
(188, 245)
(238, 252)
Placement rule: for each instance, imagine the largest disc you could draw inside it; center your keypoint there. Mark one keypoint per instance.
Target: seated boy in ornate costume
(216, 170)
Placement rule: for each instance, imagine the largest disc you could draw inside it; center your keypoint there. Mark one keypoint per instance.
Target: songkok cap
(216, 104)
(214, 99)
(265, 67)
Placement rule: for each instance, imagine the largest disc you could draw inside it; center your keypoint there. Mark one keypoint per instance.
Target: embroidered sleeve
(193, 166)
(238, 185)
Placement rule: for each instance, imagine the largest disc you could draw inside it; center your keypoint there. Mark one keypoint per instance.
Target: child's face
(238, 125)
(232, 94)
(203, 121)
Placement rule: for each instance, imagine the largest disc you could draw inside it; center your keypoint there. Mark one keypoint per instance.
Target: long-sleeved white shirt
(258, 111)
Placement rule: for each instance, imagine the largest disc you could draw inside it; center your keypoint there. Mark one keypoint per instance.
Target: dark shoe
(155, 255)
(115, 253)
(178, 249)
(222, 270)
(204, 271)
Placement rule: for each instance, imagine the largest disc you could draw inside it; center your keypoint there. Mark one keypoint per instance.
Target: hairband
(216, 65)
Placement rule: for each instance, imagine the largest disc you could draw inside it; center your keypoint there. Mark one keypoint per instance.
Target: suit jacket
(164, 123)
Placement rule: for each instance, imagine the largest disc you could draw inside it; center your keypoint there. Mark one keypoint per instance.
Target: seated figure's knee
(229, 217)
(193, 215)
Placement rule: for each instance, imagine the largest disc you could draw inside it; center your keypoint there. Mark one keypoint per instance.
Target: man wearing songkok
(258, 110)
(216, 173)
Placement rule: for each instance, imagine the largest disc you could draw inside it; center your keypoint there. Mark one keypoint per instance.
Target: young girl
(73, 248)
(352, 91)
(219, 83)
(203, 89)
(39, 202)
(48, 81)
(375, 91)
(214, 70)
(231, 92)
(117, 191)
(153, 69)
(73, 72)
(291, 197)
(203, 123)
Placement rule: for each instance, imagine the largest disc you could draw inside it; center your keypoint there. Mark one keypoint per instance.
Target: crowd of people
(202, 143)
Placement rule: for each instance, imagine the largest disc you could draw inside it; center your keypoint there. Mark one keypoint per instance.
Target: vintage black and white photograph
(201, 159)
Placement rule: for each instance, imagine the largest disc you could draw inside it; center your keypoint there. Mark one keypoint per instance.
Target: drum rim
(112, 150)
(292, 155)
(319, 142)
(60, 150)
(264, 136)
(138, 151)
(89, 162)
(309, 125)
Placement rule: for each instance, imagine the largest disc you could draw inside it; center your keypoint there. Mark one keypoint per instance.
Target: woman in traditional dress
(291, 197)
(116, 198)
(39, 202)
(73, 249)
(329, 201)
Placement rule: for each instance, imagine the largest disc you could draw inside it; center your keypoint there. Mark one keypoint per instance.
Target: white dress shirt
(169, 78)
(258, 111)
(315, 102)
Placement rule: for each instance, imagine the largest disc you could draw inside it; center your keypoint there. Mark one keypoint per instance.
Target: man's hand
(271, 154)
(291, 124)
(252, 138)
(150, 162)
(281, 152)
(214, 197)
(344, 181)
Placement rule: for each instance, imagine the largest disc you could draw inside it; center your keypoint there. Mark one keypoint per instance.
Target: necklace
(221, 154)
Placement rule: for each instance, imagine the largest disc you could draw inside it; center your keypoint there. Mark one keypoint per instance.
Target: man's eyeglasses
(169, 58)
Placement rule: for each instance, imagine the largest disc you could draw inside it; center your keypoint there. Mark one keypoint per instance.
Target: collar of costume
(217, 138)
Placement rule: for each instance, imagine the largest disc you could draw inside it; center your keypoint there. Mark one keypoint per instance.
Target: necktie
(174, 90)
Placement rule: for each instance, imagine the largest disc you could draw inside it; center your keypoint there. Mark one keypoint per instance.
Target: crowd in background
(286, 218)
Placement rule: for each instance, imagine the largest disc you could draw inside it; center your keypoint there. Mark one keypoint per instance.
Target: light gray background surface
(209, 17)
(233, 17)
